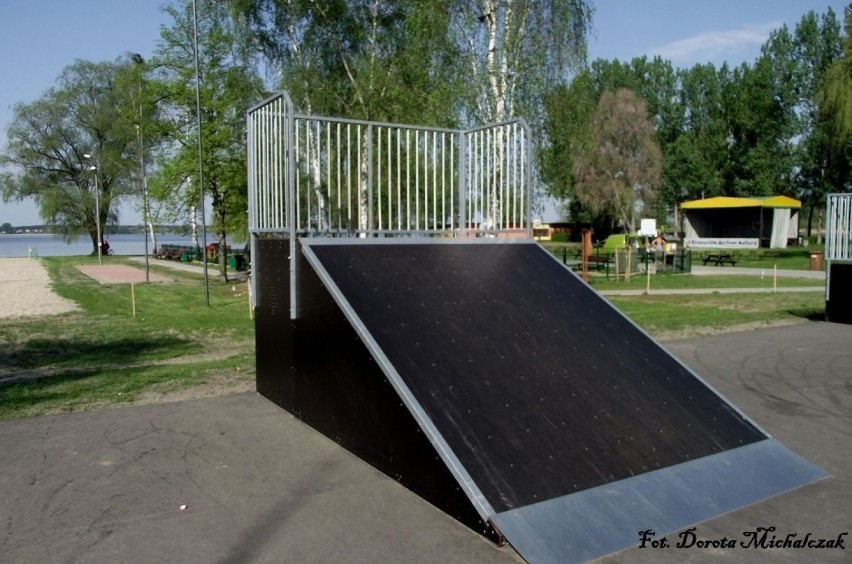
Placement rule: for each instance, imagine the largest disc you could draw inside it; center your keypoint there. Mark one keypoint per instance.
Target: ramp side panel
(608, 518)
(538, 385)
(274, 354)
(317, 368)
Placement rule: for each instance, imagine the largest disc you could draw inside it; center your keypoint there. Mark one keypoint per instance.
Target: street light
(94, 169)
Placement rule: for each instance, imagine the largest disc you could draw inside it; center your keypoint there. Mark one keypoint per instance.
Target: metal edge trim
(607, 519)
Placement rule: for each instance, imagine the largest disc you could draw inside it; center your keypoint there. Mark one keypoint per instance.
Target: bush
(559, 237)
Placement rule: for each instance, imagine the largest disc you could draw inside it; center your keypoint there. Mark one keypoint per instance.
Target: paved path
(664, 291)
(736, 270)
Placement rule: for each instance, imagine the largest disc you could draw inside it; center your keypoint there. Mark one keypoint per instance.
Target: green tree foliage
(760, 125)
(383, 61)
(836, 93)
(85, 113)
(514, 52)
(570, 109)
(697, 157)
(228, 86)
(832, 170)
(569, 125)
(761, 128)
(618, 173)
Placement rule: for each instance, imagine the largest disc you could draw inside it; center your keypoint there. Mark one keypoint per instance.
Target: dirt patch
(218, 385)
(688, 332)
(119, 274)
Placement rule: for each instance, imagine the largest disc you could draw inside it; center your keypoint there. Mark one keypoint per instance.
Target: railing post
(369, 177)
(291, 202)
(462, 184)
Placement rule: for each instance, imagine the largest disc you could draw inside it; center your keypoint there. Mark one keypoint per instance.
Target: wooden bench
(720, 260)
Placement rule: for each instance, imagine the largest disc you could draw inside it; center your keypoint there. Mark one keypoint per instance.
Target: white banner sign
(648, 228)
(721, 243)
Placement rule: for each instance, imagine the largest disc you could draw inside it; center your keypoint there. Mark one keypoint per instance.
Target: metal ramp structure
(838, 258)
(465, 361)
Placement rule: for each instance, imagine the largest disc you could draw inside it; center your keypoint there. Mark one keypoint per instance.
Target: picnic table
(720, 259)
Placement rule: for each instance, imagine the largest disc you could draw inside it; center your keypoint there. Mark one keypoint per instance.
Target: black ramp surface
(568, 428)
(539, 386)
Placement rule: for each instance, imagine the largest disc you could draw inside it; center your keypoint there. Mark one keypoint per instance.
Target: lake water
(23, 245)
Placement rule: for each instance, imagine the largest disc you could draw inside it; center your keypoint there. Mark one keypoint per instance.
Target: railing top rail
(366, 123)
(412, 126)
(269, 100)
(521, 121)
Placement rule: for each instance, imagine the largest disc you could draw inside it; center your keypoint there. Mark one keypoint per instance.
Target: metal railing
(838, 229)
(315, 176)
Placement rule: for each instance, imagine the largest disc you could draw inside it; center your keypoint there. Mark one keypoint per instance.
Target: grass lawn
(103, 355)
(177, 347)
(676, 316)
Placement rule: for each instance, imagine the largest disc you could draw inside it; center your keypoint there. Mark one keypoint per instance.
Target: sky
(38, 38)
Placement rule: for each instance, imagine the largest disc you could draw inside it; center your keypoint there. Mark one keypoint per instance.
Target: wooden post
(133, 298)
(251, 311)
(648, 268)
(587, 249)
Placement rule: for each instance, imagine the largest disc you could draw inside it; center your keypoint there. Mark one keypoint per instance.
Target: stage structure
(404, 311)
(838, 258)
(740, 223)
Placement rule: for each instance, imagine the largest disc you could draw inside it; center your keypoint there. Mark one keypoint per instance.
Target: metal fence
(314, 176)
(838, 232)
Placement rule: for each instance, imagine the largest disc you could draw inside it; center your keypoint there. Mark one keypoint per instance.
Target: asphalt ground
(236, 479)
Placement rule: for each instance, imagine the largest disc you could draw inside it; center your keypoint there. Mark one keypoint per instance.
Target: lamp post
(94, 169)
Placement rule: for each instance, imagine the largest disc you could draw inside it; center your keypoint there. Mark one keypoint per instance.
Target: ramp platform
(494, 382)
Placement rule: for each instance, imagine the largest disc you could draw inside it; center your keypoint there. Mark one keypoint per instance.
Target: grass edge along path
(675, 316)
(102, 355)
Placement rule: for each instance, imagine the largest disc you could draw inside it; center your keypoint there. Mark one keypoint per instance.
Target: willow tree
(48, 142)
(618, 173)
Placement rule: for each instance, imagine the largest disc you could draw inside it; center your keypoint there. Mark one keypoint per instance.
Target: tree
(619, 172)
(696, 159)
(84, 114)
(817, 45)
(837, 89)
(365, 59)
(835, 116)
(568, 124)
(513, 52)
(569, 113)
(228, 86)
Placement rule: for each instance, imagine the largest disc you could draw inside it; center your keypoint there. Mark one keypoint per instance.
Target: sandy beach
(25, 290)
